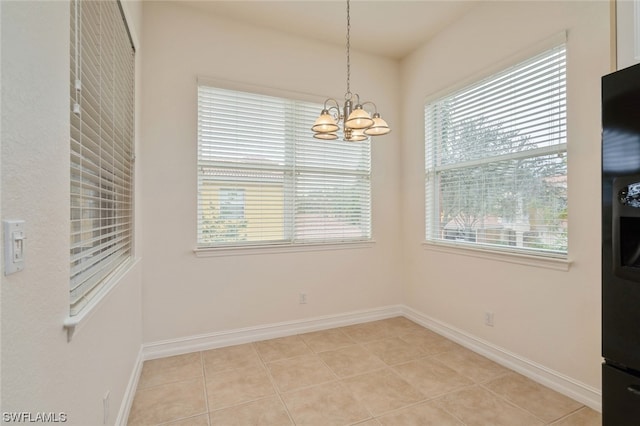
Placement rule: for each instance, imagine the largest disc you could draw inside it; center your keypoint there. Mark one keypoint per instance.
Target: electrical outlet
(303, 298)
(488, 319)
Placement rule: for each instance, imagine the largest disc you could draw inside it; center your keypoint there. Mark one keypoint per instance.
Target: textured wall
(185, 295)
(547, 316)
(41, 371)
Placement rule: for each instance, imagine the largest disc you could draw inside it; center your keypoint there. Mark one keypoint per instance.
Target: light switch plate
(14, 239)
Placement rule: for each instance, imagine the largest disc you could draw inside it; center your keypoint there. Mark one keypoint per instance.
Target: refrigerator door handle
(634, 389)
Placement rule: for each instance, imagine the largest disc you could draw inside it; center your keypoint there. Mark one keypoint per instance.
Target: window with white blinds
(496, 160)
(102, 147)
(264, 180)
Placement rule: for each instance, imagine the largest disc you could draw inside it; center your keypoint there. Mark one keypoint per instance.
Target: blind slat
(495, 158)
(101, 164)
(264, 179)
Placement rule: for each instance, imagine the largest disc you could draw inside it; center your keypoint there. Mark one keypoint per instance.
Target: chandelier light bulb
(356, 135)
(325, 123)
(379, 127)
(359, 119)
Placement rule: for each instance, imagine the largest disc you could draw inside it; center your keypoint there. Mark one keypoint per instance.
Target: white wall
(628, 32)
(549, 317)
(186, 296)
(41, 371)
(183, 296)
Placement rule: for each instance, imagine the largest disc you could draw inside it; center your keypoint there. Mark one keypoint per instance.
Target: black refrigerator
(621, 247)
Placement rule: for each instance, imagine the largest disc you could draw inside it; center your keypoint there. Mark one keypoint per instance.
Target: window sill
(538, 261)
(73, 323)
(280, 248)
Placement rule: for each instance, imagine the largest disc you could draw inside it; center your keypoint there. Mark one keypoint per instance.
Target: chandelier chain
(357, 123)
(348, 94)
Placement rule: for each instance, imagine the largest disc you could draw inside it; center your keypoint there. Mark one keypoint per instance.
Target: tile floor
(390, 372)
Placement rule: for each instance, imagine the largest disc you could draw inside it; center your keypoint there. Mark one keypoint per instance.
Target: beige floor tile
(327, 340)
(393, 350)
(367, 332)
(171, 369)
(392, 369)
(202, 420)
(281, 348)
(166, 403)
(299, 372)
(325, 405)
(401, 325)
(583, 417)
(382, 391)
(476, 406)
(431, 377)
(238, 386)
(370, 422)
(539, 400)
(351, 361)
(229, 358)
(429, 342)
(472, 365)
(424, 414)
(263, 412)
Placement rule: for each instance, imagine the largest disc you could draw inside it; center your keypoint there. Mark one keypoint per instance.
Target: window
(496, 160)
(263, 179)
(102, 138)
(231, 204)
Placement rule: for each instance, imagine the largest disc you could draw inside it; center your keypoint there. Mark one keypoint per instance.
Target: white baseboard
(559, 382)
(243, 335)
(263, 332)
(130, 392)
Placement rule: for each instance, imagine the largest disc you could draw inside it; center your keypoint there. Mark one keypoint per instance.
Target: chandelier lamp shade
(358, 123)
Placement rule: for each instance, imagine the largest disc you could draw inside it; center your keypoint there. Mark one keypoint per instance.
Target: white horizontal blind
(496, 164)
(263, 179)
(102, 137)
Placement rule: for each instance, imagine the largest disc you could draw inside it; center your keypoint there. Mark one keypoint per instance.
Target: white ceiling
(391, 28)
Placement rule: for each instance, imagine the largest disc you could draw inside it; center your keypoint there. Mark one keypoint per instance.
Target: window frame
(540, 258)
(107, 184)
(233, 201)
(288, 243)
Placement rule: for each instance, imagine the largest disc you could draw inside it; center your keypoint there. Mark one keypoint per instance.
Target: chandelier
(358, 124)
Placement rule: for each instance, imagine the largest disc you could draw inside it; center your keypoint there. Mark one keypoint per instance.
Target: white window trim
(496, 67)
(559, 261)
(261, 90)
(279, 248)
(502, 255)
(73, 323)
(285, 246)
